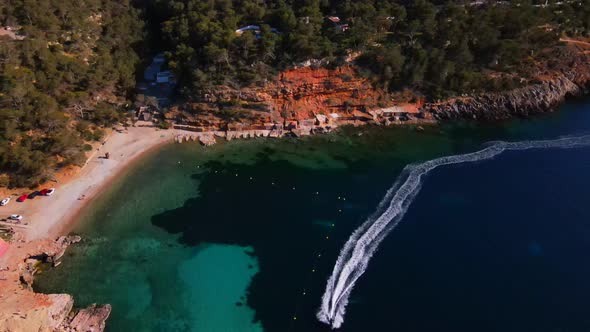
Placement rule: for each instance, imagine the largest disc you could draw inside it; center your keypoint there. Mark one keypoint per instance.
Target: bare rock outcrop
(532, 99)
(569, 76)
(91, 319)
(207, 140)
(21, 309)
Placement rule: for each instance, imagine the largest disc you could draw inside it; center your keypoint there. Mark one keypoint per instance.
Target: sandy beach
(48, 217)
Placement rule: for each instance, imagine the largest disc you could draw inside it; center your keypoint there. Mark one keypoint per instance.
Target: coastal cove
(263, 166)
(267, 217)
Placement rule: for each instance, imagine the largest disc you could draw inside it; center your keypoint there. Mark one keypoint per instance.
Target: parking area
(20, 208)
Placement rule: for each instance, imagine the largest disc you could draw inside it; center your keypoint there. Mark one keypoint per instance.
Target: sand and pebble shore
(46, 219)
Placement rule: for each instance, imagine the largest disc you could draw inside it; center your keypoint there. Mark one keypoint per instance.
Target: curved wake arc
(364, 241)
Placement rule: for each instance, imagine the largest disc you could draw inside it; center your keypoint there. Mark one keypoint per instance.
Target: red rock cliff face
(303, 92)
(296, 94)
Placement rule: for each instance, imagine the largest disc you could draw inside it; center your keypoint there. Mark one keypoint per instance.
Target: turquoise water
(219, 276)
(242, 236)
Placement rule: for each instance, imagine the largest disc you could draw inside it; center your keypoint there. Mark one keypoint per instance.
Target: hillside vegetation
(66, 77)
(437, 48)
(68, 67)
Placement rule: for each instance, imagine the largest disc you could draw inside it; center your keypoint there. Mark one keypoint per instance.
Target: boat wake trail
(364, 241)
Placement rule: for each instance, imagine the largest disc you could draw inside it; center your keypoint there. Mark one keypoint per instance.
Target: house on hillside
(146, 116)
(159, 58)
(254, 28)
(336, 21)
(164, 77)
(342, 27)
(157, 83)
(11, 32)
(146, 113)
(151, 72)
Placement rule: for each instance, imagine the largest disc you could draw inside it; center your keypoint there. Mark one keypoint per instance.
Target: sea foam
(364, 241)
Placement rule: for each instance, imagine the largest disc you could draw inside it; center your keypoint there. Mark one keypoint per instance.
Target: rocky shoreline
(533, 99)
(21, 309)
(307, 101)
(538, 98)
(570, 77)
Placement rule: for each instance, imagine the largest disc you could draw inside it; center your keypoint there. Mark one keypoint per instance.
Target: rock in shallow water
(91, 319)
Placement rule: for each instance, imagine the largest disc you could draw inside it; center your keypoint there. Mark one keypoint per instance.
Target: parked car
(22, 198)
(34, 194)
(16, 217)
(5, 201)
(47, 192)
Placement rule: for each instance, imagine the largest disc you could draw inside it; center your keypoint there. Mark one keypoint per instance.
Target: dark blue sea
(242, 236)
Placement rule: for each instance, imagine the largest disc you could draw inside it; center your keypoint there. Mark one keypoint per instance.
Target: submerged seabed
(243, 236)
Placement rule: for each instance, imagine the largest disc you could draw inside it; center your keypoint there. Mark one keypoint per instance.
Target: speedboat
(4, 201)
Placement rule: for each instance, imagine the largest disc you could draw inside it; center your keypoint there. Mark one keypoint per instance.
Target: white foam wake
(363, 242)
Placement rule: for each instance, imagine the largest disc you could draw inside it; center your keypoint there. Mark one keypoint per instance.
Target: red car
(47, 191)
(22, 198)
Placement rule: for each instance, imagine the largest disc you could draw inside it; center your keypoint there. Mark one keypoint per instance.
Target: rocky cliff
(570, 77)
(302, 93)
(303, 96)
(295, 95)
(536, 98)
